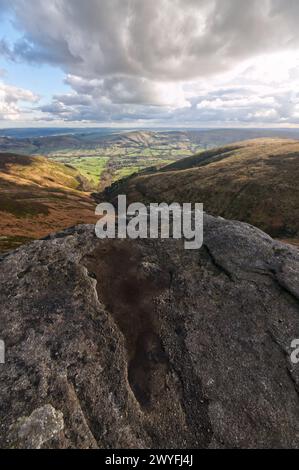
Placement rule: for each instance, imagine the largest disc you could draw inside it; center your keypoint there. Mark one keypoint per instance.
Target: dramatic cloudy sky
(149, 62)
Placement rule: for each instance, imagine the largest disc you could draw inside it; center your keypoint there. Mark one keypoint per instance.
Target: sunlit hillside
(254, 181)
(38, 197)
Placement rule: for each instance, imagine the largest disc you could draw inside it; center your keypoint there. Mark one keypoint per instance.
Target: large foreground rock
(124, 344)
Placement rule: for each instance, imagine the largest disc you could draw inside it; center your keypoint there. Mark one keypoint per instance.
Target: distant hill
(105, 156)
(51, 142)
(254, 181)
(37, 197)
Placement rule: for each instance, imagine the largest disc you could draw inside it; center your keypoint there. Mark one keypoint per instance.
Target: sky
(166, 63)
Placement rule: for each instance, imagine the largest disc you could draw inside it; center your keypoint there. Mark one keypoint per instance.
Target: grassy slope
(38, 197)
(254, 181)
(90, 167)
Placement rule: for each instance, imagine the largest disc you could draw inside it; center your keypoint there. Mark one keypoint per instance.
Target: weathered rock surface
(124, 344)
(42, 426)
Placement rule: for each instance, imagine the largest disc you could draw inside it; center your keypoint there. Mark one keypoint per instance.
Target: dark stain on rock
(129, 293)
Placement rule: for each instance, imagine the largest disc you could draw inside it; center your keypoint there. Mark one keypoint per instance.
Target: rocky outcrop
(33, 431)
(133, 344)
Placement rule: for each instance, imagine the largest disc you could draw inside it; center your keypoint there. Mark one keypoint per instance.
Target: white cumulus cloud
(13, 101)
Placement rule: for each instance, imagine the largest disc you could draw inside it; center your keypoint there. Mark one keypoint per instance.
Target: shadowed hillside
(38, 197)
(254, 181)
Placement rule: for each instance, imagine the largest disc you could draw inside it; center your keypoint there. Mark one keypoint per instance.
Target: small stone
(41, 426)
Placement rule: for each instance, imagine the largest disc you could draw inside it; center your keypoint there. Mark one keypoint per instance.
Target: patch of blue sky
(42, 79)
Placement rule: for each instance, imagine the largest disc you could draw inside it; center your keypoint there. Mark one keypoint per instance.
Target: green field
(108, 165)
(90, 167)
(124, 172)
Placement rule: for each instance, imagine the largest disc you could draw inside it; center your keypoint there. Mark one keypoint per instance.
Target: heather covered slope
(117, 343)
(38, 197)
(254, 181)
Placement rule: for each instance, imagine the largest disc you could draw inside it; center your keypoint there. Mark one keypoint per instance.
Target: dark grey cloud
(161, 39)
(57, 110)
(129, 90)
